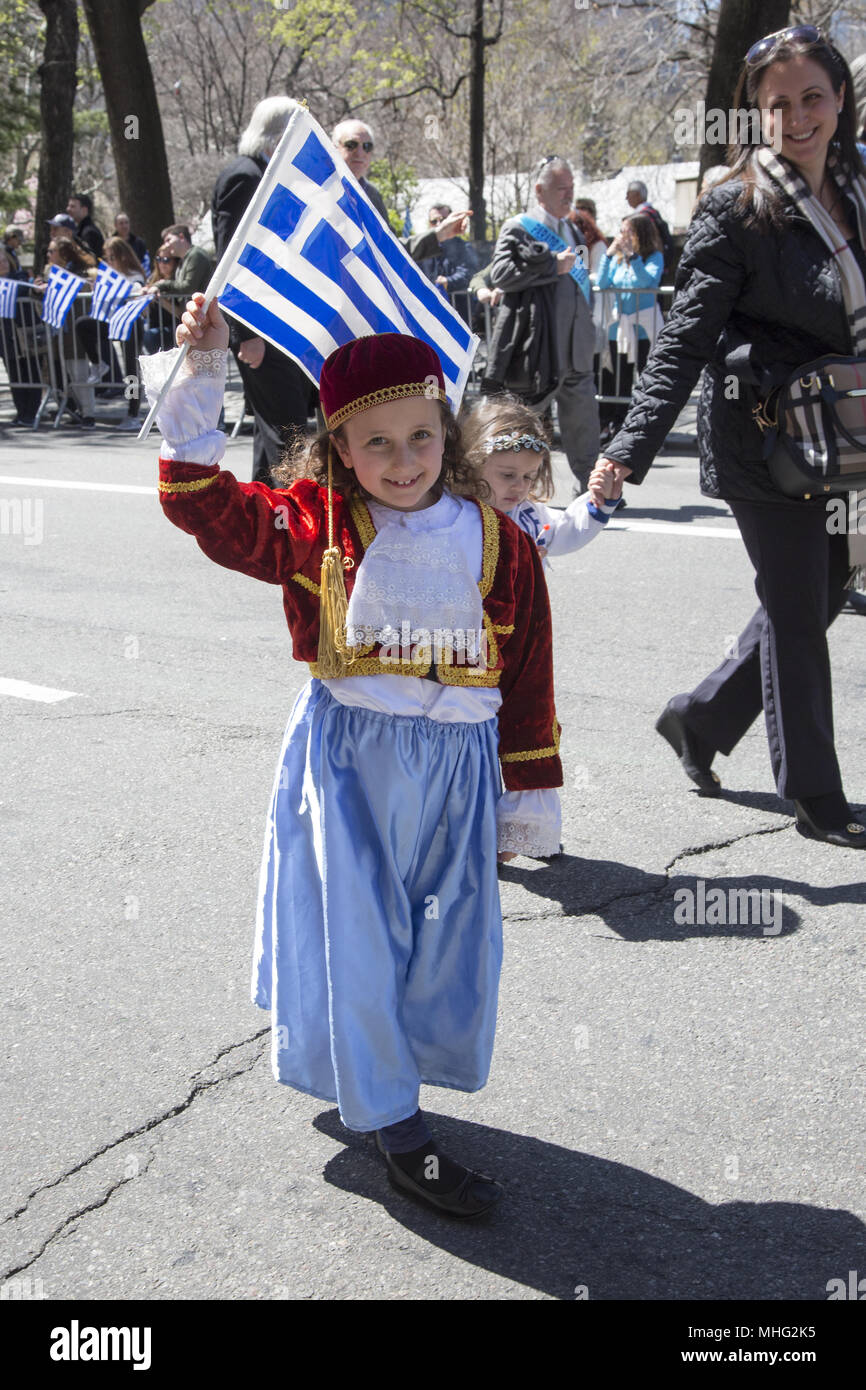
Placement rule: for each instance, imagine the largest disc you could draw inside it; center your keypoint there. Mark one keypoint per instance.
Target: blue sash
(539, 232)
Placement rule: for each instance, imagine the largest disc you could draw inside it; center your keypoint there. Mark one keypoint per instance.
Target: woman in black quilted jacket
(759, 293)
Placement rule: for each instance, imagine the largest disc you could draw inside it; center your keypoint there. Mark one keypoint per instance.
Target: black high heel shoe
(671, 727)
(850, 836)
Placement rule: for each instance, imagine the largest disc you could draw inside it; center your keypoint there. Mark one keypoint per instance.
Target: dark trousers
(609, 412)
(278, 394)
(781, 661)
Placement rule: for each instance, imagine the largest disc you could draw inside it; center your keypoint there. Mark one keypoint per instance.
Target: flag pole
(218, 280)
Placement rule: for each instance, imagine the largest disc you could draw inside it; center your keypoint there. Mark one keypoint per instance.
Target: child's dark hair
(308, 458)
(504, 414)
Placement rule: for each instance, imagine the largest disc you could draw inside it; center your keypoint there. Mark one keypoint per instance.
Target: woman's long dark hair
(760, 200)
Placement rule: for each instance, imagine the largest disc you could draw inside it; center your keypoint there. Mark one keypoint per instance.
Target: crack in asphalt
(596, 908)
(153, 1123)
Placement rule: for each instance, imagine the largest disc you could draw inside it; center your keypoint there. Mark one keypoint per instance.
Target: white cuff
(529, 823)
(191, 408)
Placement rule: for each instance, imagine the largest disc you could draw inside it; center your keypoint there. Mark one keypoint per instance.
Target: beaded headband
(515, 442)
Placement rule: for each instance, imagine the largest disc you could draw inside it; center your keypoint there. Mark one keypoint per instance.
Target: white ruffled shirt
(528, 822)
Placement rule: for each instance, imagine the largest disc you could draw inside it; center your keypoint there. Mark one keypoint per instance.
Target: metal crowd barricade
(46, 367)
(482, 319)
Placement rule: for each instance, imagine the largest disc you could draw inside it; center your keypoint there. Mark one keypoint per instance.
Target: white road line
(676, 528)
(83, 487)
(44, 694)
(658, 528)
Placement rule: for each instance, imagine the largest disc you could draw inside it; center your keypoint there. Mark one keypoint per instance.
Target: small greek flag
(8, 297)
(121, 321)
(109, 292)
(313, 265)
(63, 286)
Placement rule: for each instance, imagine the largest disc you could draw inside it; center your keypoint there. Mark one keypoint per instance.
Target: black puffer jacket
(750, 307)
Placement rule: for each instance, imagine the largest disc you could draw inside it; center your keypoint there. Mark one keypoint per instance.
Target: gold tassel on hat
(334, 653)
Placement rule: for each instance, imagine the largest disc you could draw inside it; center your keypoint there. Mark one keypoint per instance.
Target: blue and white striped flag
(316, 266)
(8, 297)
(121, 321)
(109, 292)
(63, 286)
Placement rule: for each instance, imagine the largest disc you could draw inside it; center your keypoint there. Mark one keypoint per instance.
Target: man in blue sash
(544, 338)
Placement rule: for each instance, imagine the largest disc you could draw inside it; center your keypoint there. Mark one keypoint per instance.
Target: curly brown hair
(308, 458)
(504, 414)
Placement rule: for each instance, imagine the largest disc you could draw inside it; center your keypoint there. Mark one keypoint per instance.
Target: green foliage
(398, 184)
(303, 25)
(21, 35)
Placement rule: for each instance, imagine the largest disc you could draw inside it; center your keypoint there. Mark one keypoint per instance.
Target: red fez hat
(377, 368)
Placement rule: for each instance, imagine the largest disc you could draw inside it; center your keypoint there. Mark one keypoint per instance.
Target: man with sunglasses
(354, 141)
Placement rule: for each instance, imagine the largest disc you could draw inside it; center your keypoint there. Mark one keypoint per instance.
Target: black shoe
(850, 836)
(474, 1196)
(856, 601)
(671, 727)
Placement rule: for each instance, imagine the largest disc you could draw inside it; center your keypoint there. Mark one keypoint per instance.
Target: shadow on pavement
(641, 906)
(570, 1220)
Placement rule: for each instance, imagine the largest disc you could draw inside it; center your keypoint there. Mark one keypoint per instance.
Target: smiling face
(803, 110)
(510, 476)
(395, 451)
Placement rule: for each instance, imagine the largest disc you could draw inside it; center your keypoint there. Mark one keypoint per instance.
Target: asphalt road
(675, 1108)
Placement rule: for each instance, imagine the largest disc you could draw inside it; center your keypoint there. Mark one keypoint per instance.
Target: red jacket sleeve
(528, 727)
(261, 531)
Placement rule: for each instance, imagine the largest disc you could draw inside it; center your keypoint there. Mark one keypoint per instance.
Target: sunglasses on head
(799, 33)
(366, 145)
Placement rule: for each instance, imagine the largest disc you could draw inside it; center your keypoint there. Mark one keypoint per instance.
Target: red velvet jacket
(279, 536)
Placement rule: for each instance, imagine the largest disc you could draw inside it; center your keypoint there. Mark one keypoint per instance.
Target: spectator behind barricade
(636, 197)
(452, 265)
(596, 247)
(122, 229)
(20, 366)
(12, 243)
(634, 260)
(80, 209)
(163, 314)
(120, 256)
(65, 253)
(196, 267)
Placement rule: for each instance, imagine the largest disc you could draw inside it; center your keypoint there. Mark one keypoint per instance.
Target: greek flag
(313, 265)
(63, 286)
(109, 292)
(8, 297)
(121, 321)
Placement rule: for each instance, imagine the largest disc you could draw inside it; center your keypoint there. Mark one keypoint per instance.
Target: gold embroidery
(490, 551)
(310, 584)
(529, 754)
(503, 627)
(195, 486)
(363, 521)
(380, 397)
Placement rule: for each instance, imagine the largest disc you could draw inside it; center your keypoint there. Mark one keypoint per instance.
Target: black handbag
(814, 428)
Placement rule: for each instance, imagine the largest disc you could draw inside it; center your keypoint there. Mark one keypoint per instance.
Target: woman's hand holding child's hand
(605, 483)
(202, 330)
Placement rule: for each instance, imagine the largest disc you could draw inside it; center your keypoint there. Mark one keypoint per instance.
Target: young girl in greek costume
(508, 451)
(424, 618)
